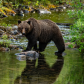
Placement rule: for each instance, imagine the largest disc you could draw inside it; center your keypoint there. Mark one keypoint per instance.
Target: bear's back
(48, 28)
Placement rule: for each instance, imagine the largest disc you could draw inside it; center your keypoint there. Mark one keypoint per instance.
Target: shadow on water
(40, 74)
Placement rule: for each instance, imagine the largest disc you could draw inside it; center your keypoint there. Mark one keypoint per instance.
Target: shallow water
(48, 68)
(58, 17)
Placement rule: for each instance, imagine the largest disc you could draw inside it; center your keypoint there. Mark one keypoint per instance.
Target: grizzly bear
(43, 31)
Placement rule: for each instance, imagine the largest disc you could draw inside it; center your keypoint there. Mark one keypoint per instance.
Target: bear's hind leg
(59, 42)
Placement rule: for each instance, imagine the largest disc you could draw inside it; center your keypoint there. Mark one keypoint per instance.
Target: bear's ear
(29, 22)
(19, 21)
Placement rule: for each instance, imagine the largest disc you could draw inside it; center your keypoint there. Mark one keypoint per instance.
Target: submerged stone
(28, 55)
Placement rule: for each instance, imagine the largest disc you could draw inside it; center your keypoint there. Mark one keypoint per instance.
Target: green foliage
(5, 25)
(4, 37)
(76, 14)
(5, 42)
(0, 3)
(70, 45)
(44, 2)
(77, 29)
(76, 4)
(80, 42)
(57, 1)
(37, 3)
(29, 2)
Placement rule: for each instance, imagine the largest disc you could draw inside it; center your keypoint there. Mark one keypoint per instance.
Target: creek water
(59, 17)
(48, 68)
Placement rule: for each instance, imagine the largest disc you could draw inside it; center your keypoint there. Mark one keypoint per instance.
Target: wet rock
(15, 47)
(19, 12)
(14, 32)
(42, 11)
(10, 36)
(60, 8)
(4, 49)
(27, 7)
(25, 11)
(9, 30)
(19, 35)
(1, 32)
(15, 27)
(3, 28)
(21, 57)
(12, 14)
(28, 55)
(20, 6)
(52, 9)
(67, 6)
(65, 24)
(19, 47)
(32, 10)
(2, 15)
(12, 39)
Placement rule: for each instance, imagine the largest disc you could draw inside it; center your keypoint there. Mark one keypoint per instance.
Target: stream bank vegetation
(77, 29)
(12, 7)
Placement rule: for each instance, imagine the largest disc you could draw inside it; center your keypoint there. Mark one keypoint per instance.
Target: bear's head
(24, 27)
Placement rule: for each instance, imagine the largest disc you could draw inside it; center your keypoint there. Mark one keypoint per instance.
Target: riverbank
(13, 9)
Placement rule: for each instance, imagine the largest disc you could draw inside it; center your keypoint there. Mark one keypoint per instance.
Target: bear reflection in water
(42, 74)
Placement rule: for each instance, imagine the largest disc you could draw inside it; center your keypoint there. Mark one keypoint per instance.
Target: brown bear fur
(43, 31)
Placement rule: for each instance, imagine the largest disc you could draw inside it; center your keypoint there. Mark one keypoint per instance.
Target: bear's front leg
(30, 45)
(42, 46)
(35, 46)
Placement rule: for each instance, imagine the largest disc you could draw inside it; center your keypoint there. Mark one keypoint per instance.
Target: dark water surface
(48, 68)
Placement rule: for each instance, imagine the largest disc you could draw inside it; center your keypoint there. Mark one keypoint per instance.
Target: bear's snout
(23, 33)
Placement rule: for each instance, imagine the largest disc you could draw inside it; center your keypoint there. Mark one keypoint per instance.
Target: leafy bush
(70, 46)
(5, 42)
(77, 29)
